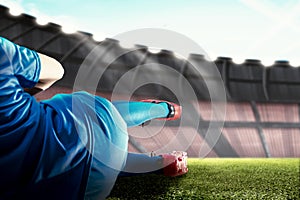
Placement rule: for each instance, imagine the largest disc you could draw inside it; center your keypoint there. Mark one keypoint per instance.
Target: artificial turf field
(218, 179)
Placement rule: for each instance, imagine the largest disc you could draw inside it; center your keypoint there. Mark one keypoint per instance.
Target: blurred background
(251, 44)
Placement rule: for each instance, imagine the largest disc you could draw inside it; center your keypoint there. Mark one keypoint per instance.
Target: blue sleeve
(19, 68)
(18, 63)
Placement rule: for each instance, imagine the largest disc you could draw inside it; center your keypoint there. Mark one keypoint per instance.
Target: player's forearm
(51, 71)
(25, 66)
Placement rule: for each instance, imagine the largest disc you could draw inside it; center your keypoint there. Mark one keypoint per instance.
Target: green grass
(218, 179)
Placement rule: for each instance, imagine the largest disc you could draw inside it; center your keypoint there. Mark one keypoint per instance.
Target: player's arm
(31, 69)
(51, 71)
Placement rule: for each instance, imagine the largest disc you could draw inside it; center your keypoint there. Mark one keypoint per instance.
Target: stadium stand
(262, 109)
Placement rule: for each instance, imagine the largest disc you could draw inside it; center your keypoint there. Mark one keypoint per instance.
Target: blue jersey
(49, 149)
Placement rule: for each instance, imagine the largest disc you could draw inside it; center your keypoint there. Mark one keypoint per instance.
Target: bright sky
(262, 29)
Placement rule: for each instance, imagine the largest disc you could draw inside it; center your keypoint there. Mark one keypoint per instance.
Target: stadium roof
(249, 81)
